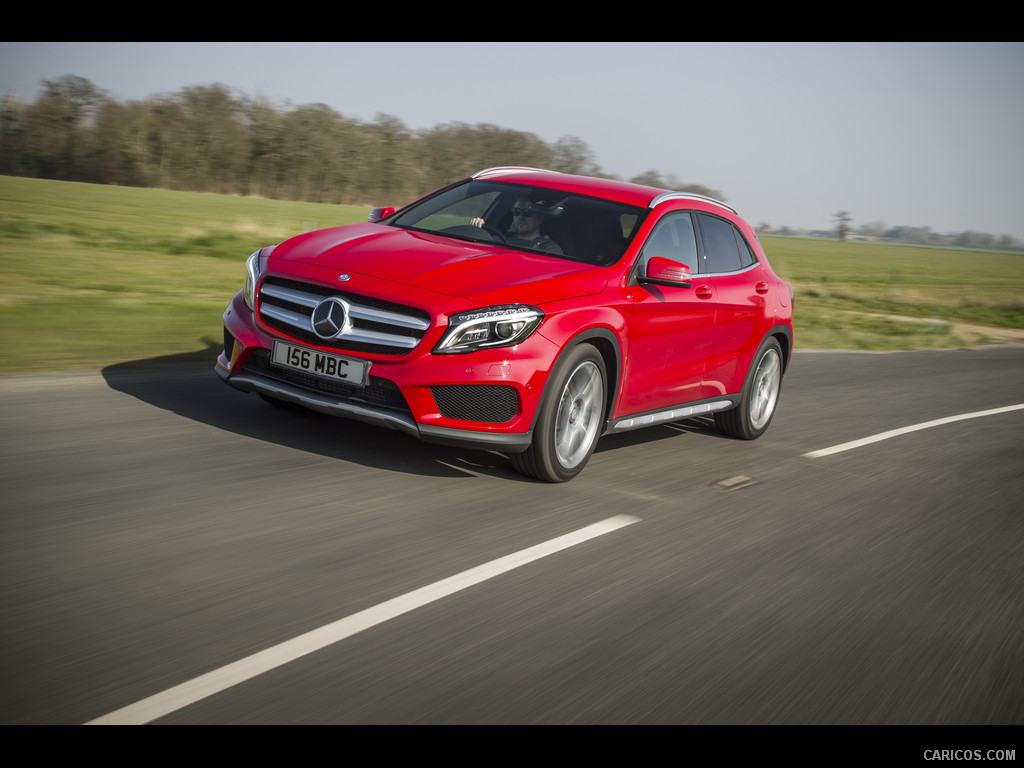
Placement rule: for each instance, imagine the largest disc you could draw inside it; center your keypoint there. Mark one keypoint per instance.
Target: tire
(571, 418)
(750, 419)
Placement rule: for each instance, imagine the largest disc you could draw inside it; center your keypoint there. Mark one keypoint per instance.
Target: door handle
(703, 292)
(761, 287)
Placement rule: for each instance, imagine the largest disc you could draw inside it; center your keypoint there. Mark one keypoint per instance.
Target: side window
(721, 252)
(747, 256)
(724, 247)
(673, 238)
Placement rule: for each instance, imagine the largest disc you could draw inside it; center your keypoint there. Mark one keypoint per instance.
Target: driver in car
(526, 221)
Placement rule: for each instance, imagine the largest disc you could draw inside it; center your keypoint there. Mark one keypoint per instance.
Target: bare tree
(572, 155)
(843, 224)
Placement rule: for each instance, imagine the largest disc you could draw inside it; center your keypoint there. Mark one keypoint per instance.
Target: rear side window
(725, 248)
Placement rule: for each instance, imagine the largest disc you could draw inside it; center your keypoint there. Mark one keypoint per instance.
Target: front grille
(491, 403)
(378, 392)
(377, 326)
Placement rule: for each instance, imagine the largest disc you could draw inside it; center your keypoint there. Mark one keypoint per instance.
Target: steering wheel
(495, 233)
(472, 232)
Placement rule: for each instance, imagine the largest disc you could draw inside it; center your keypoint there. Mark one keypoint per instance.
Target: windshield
(537, 219)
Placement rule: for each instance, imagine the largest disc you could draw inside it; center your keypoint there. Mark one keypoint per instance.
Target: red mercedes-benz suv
(522, 311)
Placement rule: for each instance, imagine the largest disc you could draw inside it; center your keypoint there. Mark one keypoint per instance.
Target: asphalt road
(159, 527)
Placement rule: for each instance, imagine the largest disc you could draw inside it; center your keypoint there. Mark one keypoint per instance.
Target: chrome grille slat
(391, 318)
(290, 294)
(376, 337)
(287, 305)
(301, 322)
(295, 319)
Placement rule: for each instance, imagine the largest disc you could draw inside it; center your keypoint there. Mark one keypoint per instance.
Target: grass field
(858, 295)
(94, 275)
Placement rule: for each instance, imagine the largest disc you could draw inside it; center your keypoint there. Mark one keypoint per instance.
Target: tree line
(207, 139)
(926, 236)
(879, 231)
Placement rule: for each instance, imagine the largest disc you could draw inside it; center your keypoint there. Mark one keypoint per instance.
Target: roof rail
(502, 170)
(689, 196)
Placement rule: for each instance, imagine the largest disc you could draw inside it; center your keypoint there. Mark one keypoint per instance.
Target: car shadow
(185, 384)
(697, 425)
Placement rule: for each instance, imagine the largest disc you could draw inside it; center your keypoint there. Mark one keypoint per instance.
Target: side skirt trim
(673, 414)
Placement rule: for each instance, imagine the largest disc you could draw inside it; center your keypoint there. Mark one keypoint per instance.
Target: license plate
(333, 367)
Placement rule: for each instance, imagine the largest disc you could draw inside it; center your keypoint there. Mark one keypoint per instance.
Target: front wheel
(761, 390)
(571, 418)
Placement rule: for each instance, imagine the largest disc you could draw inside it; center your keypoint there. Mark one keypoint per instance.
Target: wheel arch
(784, 335)
(607, 346)
(740, 422)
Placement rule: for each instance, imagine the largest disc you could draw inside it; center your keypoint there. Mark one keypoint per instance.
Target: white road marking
(905, 430)
(201, 687)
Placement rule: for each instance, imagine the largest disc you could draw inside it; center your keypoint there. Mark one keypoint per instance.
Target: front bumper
(381, 417)
(483, 401)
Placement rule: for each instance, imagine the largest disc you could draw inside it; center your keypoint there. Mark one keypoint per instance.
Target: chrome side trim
(672, 415)
(747, 268)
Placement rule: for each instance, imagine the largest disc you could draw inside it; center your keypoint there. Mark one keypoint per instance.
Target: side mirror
(662, 271)
(379, 213)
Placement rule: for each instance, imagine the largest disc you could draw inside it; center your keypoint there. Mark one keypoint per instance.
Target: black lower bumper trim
(460, 438)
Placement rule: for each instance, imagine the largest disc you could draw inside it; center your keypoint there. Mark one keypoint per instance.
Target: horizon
(920, 135)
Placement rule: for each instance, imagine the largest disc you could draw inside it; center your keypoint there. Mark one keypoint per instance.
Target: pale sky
(919, 134)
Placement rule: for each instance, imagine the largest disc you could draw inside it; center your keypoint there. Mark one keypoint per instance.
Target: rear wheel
(570, 420)
(760, 395)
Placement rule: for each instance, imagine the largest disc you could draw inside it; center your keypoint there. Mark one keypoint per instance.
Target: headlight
(252, 274)
(502, 326)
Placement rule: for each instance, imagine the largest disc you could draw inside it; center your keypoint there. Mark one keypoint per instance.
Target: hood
(485, 273)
